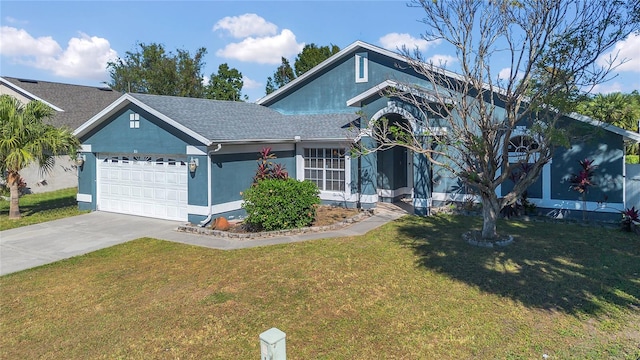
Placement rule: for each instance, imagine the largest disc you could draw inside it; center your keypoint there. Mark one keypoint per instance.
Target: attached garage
(188, 159)
(145, 185)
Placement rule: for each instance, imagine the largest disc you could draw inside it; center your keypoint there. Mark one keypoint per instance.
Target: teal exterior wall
(153, 137)
(328, 91)
(198, 181)
(607, 152)
(233, 173)
(369, 170)
(422, 183)
(533, 191)
(87, 181)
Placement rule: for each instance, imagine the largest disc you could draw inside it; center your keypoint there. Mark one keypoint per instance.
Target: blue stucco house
(189, 159)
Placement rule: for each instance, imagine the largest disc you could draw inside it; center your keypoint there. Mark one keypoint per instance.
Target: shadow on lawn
(41, 205)
(564, 267)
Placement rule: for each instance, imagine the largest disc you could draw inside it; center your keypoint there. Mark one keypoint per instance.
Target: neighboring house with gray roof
(189, 159)
(73, 105)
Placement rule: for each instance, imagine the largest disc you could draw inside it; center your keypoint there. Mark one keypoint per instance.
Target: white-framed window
(325, 167)
(362, 67)
(523, 146)
(134, 121)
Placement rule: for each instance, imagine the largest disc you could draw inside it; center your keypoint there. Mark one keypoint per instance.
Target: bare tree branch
(465, 120)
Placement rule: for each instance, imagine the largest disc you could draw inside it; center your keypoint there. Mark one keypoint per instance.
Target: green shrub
(277, 204)
(632, 159)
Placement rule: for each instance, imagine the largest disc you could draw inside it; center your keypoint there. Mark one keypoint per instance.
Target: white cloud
(628, 49)
(442, 60)
(394, 41)
(246, 25)
(263, 50)
(250, 84)
(504, 74)
(85, 56)
(17, 42)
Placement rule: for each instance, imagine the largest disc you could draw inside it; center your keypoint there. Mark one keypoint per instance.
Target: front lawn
(37, 208)
(408, 290)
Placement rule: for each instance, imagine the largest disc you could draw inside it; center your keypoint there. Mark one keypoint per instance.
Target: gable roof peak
(347, 51)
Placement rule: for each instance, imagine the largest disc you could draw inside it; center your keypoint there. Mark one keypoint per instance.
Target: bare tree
(552, 47)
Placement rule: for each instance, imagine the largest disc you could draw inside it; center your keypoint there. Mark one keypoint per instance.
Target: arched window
(523, 147)
(522, 144)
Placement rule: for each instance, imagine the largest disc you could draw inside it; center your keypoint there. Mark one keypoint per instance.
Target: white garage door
(153, 186)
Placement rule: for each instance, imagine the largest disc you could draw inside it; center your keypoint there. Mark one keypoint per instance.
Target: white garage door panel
(154, 186)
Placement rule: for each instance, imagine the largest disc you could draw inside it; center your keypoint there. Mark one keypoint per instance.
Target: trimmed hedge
(278, 204)
(632, 159)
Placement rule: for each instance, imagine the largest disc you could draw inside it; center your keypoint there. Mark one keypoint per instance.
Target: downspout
(359, 177)
(204, 222)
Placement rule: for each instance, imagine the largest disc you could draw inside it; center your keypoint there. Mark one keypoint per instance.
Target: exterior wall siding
(233, 173)
(422, 184)
(87, 182)
(153, 136)
(369, 168)
(607, 153)
(198, 182)
(312, 97)
(62, 176)
(533, 191)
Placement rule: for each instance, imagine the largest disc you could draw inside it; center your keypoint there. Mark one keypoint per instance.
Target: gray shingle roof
(219, 120)
(80, 103)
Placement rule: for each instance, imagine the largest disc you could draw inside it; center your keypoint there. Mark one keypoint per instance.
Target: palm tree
(26, 139)
(619, 109)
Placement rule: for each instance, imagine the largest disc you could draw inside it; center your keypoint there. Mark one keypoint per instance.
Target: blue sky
(71, 41)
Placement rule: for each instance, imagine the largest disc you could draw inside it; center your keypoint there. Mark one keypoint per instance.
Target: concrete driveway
(40, 244)
(35, 245)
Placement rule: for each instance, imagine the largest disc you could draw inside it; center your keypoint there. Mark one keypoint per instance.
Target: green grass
(38, 208)
(408, 290)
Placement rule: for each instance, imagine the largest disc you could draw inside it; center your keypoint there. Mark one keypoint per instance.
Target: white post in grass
(273, 345)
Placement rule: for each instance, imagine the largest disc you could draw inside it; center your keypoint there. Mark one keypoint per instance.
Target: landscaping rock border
(472, 236)
(189, 228)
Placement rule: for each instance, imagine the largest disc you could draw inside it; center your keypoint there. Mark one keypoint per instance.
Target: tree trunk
(13, 180)
(490, 210)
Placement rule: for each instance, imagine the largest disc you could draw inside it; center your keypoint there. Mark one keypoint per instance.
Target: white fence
(632, 185)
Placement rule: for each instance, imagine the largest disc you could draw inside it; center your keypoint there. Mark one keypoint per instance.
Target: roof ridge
(191, 98)
(35, 81)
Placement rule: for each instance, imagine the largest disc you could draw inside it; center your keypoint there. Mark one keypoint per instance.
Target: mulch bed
(327, 218)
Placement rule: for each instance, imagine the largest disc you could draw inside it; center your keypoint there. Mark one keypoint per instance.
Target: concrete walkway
(30, 246)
